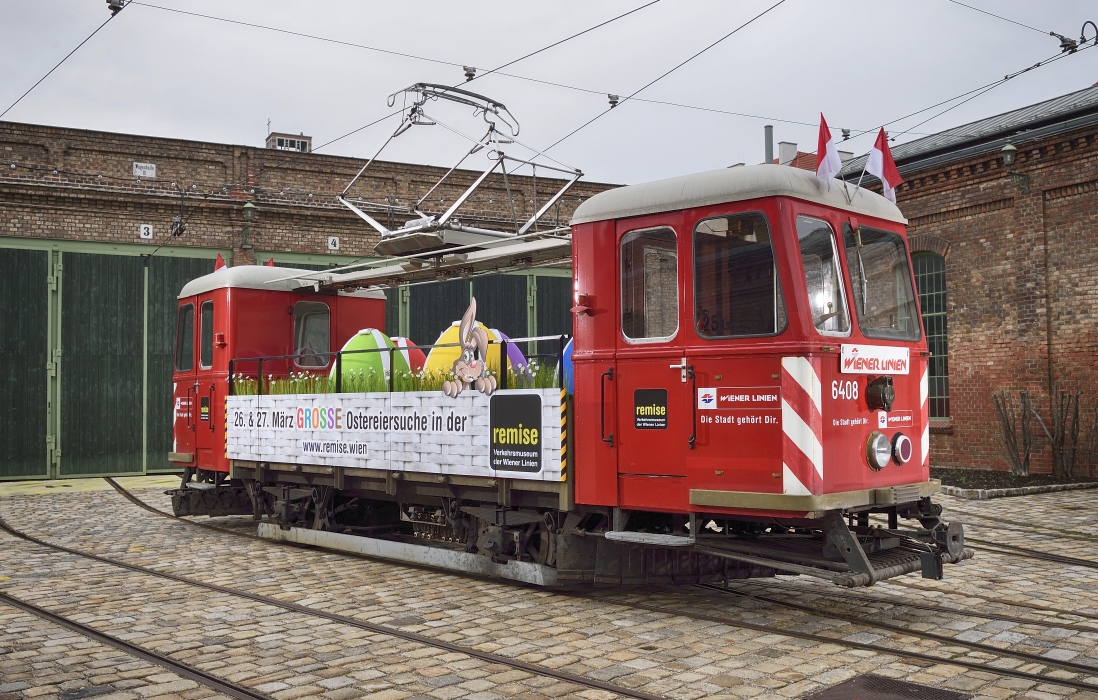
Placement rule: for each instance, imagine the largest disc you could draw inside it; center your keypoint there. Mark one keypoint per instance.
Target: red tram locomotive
(750, 387)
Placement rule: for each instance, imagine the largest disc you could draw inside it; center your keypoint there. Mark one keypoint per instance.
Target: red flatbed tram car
(750, 399)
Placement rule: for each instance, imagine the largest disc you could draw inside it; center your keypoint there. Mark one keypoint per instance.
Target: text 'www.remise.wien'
(359, 449)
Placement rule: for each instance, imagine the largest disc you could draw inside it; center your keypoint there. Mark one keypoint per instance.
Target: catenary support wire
(51, 70)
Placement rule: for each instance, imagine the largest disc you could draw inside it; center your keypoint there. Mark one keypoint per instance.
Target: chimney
(787, 152)
(768, 134)
(845, 156)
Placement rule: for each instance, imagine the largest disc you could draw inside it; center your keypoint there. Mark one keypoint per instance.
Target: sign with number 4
(333, 242)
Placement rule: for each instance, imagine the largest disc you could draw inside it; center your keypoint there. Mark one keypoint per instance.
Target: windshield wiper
(861, 271)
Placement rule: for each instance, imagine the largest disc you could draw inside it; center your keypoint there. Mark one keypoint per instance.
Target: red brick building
(89, 273)
(1007, 267)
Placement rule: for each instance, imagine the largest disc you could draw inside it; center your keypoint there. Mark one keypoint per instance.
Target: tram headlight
(901, 449)
(878, 450)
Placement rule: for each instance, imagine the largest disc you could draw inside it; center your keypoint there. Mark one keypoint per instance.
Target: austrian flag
(880, 163)
(827, 153)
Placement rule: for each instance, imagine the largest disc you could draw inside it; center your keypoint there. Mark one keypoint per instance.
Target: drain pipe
(768, 131)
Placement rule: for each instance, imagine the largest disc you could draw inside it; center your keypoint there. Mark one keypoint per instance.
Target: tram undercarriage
(536, 524)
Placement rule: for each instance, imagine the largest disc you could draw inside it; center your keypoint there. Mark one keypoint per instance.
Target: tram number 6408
(844, 390)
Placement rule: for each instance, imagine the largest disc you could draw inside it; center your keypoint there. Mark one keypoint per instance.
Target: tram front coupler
(947, 538)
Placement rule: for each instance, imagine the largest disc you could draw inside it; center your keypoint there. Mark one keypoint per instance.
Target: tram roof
(733, 185)
(279, 279)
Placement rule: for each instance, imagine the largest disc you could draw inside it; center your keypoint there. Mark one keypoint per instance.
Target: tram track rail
(395, 632)
(900, 629)
(1081, 625)
(999, 548)
(1030, 527)
(996, 601)
(724, 620)
(234, 690)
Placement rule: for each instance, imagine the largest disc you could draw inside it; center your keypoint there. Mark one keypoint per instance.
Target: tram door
(738, 306)
(653, 389)
(184, 389)
(209, 406)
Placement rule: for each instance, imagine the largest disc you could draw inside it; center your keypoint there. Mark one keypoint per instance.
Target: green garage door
(24, 329)
(102, 306)
(102, 370)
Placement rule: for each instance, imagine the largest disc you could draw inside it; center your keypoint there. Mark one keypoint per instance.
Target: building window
(736, 288)
(649, 285)
(930, 280)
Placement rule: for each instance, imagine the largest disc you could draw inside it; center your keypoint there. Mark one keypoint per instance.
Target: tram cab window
(737, 291)
(206, 335)
(881, 279)
(649, 285)
(822, 276)
(311, 334)
(184, 339)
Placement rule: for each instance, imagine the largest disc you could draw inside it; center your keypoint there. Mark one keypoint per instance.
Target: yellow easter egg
(440, 361)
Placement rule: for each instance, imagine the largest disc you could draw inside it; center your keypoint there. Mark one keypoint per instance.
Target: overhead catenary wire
(402, 54)
(1005, 19)
(365, 126)
(970, 94)
(664, 75)
(494, 71)
(995, 85)
(51, 70)
(978, 92)
(561, 41)
(303, 35)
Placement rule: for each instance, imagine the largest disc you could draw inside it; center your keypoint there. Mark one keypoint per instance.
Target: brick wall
(79, 185)
(1021, 280)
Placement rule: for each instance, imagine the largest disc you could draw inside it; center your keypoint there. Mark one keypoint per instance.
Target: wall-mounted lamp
(249, 216)
(1010, 155)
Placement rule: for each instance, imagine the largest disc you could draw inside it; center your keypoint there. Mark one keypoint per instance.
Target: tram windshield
(881, 279)
(822, 276)
(311, 334)
(737, 291)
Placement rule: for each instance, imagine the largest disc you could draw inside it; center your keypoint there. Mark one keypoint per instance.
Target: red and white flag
(828, 162)
(880, 163)
(219, 263)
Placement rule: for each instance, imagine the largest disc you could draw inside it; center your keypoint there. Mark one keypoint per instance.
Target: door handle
(191, 408)
(211, 394)
(682, 366)
(608, 374)
(693, 404)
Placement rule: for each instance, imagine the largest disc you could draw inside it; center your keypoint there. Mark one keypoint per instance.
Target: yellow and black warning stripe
(563, 435)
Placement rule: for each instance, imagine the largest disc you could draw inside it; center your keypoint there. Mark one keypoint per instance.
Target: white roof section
(733, 185)
(263, 277)
(520, 254)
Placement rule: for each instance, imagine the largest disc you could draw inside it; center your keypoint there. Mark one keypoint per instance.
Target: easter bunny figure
(471, 369)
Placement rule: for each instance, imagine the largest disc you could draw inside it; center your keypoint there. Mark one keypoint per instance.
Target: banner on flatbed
(514, 433)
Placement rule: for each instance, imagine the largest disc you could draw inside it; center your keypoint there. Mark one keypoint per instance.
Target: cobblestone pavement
(289, 655)
(41, 660)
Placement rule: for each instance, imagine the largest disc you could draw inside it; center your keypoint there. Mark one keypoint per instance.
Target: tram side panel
(595, 314)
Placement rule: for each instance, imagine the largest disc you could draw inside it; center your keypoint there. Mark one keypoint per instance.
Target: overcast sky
(861, 62)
